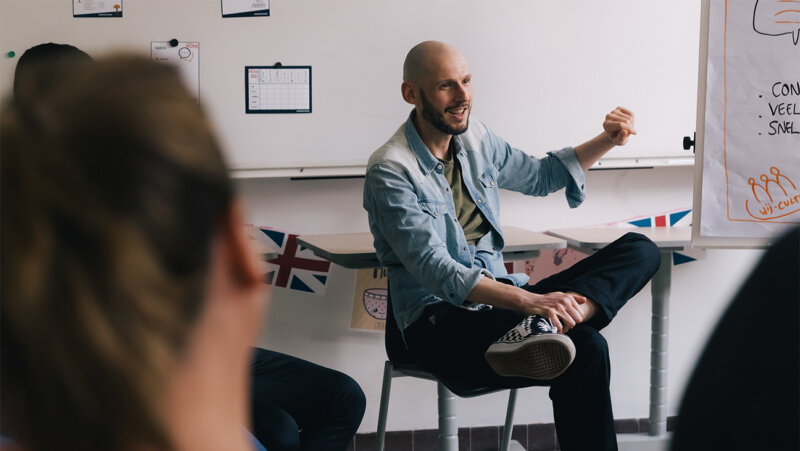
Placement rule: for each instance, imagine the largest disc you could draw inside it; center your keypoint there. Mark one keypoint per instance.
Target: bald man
(431, 193)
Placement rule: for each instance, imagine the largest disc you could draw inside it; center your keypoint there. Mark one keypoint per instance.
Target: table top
(597, 237)
(355, 250)
(260, 245)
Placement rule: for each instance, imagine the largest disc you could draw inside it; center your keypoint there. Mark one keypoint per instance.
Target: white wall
(316, 328)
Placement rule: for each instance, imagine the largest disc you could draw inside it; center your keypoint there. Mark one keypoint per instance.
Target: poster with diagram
(245, 8)
(96, 8)
(751, 143)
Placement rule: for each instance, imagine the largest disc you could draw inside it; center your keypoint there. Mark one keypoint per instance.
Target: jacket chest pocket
(433, 208)
(437, 211)
(488, 179)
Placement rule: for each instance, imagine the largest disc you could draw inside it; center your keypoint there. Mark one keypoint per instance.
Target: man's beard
(437, 119)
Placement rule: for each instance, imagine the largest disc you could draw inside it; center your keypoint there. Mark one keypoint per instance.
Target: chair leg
(384, 408)
(512, 403)
(448, 429)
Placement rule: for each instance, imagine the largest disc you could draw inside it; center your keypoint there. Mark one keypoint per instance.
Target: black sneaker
(532, 349)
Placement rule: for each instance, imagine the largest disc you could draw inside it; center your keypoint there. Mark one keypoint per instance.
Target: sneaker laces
(541, 324)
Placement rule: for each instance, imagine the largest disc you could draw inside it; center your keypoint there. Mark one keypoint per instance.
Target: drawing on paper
(376, 301)
(777, 18)
(772, 197)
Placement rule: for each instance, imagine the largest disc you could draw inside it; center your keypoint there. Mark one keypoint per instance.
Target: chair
(400, 363)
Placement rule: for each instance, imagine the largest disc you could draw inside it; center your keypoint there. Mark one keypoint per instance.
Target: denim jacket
(413, 219)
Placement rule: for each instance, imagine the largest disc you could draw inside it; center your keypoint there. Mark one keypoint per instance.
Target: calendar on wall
(277, 89)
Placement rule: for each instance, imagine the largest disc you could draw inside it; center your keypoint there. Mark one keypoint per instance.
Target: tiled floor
(533, 437)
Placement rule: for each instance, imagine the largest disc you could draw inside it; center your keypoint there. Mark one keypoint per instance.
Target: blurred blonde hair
(113, 185)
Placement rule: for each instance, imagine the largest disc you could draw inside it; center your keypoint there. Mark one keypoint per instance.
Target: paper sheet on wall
(370, 300)
(751, 153)
(278, 89)
(245, 8)
(185, 56)
(96, 8)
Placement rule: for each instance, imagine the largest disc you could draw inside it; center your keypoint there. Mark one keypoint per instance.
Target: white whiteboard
(545, 72)
(747, 180)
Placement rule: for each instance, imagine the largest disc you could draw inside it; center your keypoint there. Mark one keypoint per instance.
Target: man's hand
(618, 126)
(562, 309)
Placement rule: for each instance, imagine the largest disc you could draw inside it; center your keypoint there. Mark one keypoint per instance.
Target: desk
(355, 250)
(667, 239)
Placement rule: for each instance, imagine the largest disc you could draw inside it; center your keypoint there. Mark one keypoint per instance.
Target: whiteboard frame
(699, 240)
(518, 80)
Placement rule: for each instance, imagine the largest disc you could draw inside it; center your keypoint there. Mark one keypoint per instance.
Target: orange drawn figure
(777, 173)
(782, 203)
(753, 185)
(765, 178)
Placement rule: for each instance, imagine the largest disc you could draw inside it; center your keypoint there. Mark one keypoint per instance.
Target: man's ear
(407, 89)
(245, 261)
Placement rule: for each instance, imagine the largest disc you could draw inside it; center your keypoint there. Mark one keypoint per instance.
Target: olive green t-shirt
(469, 216)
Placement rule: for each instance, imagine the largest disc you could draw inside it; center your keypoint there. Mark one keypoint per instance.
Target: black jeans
(454, 346)
(297, 405)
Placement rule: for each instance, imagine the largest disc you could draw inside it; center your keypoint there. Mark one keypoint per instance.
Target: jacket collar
(427, 161)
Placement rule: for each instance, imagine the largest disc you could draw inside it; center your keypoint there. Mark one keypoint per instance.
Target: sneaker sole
(540, 357)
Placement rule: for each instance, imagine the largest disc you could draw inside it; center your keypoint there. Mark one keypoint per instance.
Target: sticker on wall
(549, 262)
(371, 300)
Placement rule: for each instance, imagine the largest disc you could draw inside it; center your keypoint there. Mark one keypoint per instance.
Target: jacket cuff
(461, 284)
(576, 187)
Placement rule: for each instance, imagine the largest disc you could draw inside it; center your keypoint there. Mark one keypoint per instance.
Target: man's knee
(643, 250)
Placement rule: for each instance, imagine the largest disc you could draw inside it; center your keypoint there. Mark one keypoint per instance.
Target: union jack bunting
(681, 217)
(675, 218)
(296, 267)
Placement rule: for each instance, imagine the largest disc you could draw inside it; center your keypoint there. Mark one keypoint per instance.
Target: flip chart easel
(747, 169)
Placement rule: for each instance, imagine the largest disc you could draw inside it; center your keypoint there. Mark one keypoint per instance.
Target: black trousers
(454, 346)
(298, 405)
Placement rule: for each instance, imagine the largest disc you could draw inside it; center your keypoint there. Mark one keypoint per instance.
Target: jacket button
(491, 183)
(436, 213)
(479, 201)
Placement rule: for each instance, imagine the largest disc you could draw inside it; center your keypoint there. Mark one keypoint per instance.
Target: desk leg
(660, 286)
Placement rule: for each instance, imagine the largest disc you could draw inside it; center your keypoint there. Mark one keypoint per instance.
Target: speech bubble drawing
(185, 54)
(777, 17)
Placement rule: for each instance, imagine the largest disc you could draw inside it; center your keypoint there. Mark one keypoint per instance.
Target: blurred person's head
(130, 295)
(35, 72)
